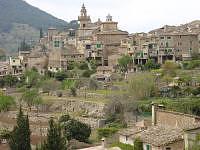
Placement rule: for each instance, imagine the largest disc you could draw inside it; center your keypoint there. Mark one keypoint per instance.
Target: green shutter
(98, 45)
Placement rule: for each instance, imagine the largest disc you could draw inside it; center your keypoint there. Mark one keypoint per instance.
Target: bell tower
(84, 19)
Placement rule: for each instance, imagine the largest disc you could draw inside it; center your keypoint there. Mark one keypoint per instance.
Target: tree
(74, 129)
(60, 76)
(31, 97)
(151, 65)
(50, 85)
(138, 145)
(142, 85)
(41, 33)
(32, 78)
(55, 140)
(123, 62)
(169, 68)
(6, 102)
(20, 136)
(24, 46)
(10, 81)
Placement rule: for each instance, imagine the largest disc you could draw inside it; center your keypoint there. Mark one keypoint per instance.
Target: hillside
(17, 18)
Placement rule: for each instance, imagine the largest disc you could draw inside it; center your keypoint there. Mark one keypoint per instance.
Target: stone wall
(90, 109)
(174, 119)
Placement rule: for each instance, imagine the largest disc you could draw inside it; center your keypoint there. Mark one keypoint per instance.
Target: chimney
(154, 107)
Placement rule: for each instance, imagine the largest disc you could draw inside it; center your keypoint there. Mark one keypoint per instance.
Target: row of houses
(105, 43)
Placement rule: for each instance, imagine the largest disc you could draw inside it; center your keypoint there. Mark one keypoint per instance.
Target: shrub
(138, 145)
(122, 146)
(87, 73)
(106, 132)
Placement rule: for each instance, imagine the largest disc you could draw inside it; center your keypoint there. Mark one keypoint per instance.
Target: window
(84, 25)
(167, 44)
(13, 60)
(148, 147)
(98, 45)
(162, 37)
(169, 37)
(168, 148)
(88, 46)
(126, 138)
(56, 43)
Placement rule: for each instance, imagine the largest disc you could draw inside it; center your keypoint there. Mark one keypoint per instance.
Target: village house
(169, 131)
(4, 69)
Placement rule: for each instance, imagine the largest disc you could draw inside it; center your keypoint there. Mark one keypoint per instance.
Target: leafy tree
(142, 85)
(60, 76)
(106, 132)
(64, 118)
(151, 65)
(20, 136)
(31, 97)
(123, 62)
(83, 66)
(10, 81)
(24, 46)
(55, 140)
(138, 145)
(32, 78)
(50, 85)
(74, 129)
(88, 73)
(6, 102)
(169, 68)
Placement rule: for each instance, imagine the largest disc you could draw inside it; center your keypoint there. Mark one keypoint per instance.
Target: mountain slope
(18, 11)
(17, 18)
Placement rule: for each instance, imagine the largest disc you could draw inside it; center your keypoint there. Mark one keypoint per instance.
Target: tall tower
(84, 19)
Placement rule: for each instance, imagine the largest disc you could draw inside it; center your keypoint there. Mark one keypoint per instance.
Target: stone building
(177, 46)
(169, 131)
(4, 69)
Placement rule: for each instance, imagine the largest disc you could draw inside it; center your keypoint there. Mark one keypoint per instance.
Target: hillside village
(130, 89)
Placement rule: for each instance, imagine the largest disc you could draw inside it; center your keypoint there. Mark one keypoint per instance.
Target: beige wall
(173, 119)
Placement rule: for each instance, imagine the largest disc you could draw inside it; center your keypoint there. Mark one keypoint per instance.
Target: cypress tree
(55, 140)
(20, 136)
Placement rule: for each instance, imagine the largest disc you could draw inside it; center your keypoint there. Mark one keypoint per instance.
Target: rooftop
(159, 135)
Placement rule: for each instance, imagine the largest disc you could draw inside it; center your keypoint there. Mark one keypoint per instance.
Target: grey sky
(132, 15)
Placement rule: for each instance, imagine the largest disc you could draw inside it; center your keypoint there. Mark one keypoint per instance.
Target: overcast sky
(132, 15)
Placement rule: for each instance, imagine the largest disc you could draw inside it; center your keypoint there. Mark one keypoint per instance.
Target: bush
(60, 76)
(88, 73)
(196, 91)
(83, 66)
(6, 102)
(74, 129)
(122, 146)
(191, 64)
(106, 132)
(138, 145)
